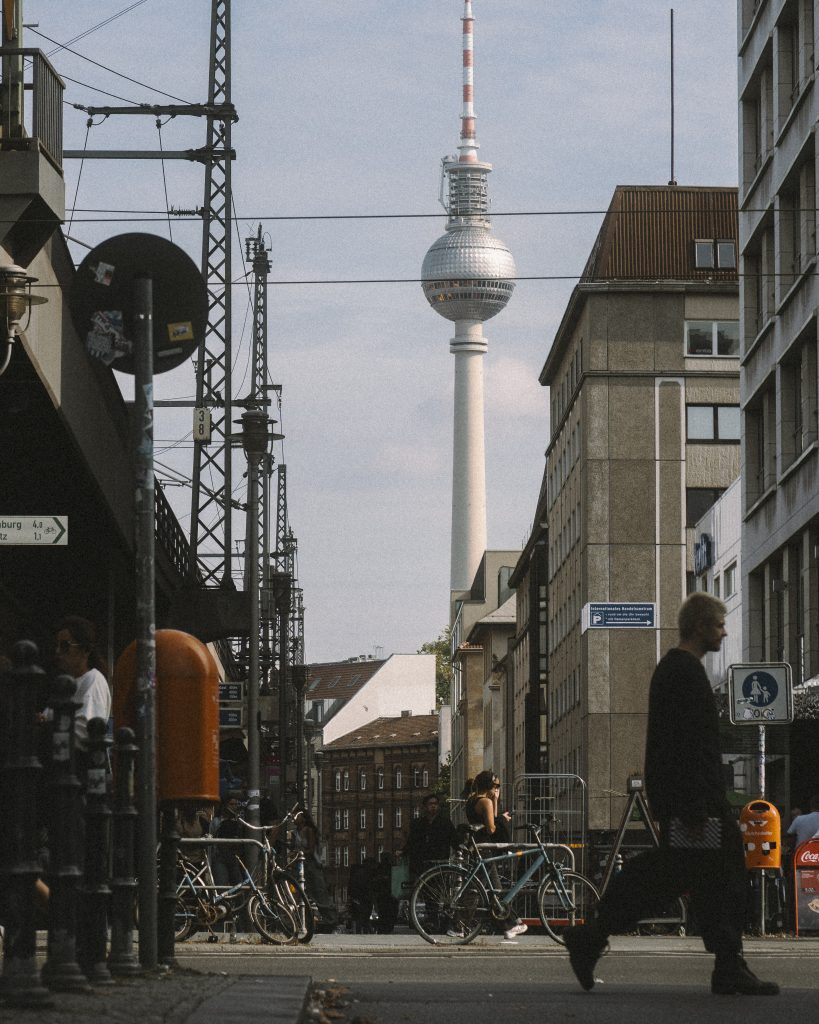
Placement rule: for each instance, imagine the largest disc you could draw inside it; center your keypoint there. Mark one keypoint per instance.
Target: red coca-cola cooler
(806, 886)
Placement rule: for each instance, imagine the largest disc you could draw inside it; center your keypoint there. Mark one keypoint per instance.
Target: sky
(346, 107)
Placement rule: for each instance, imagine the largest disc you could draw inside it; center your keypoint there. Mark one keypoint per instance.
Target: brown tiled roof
(390, 732)
(648, 233)
(339, 680)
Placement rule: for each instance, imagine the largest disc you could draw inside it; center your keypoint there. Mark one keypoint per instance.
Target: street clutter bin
(761, 833)
(187, 714)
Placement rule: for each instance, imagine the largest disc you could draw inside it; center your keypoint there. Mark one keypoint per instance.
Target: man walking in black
(701, 848)
(431, 837)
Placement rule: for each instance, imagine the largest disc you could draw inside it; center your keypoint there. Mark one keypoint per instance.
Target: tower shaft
(468, 456)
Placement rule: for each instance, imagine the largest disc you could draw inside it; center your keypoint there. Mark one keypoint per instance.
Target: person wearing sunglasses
(76, 655)
(482, 809)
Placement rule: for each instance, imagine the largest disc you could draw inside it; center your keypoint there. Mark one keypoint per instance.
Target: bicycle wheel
(272, 920)
(562, 906)
(447, 908)
(185, 916)
(284, 888)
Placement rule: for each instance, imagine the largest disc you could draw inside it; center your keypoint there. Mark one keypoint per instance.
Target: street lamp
(256, 436)
(16, 300)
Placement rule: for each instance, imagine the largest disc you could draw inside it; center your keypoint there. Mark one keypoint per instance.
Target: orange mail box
(187, 714)
(760, 827)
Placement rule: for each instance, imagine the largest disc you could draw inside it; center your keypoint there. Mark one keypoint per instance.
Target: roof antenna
(673, 180)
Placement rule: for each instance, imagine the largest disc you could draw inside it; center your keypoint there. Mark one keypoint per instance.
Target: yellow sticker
(180, 332)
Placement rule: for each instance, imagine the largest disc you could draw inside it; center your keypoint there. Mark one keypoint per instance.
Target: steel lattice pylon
(211, 500)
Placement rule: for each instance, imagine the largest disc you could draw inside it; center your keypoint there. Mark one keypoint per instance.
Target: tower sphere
(467, 274)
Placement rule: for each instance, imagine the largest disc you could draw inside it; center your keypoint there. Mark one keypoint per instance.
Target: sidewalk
(204, 996)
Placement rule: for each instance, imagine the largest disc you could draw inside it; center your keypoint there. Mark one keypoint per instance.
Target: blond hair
(698, 608)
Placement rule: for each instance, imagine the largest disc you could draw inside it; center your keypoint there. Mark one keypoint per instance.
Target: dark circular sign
(759, 689)
(102, 299)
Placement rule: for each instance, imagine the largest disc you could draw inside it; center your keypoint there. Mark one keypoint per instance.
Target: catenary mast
(467, 278)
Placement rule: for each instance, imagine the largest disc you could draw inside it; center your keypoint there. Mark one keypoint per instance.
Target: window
(338, 781)
(712, 422)
(362, 854)
(398, 778)
(379, 775)
(715, 254)
(716, 586)
(345, 819)
(416, 777)
(729, 578)
(362, 781)
(398, 817)
(697, 502)
(416, 812)
(362, 818)
(712, 338)
(336, 820)
(345, 856)
(337, 856)
(379, 818)
(346, 780)
(425, 778)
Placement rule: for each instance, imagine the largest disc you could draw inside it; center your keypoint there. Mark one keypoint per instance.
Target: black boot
(733, 977)
(585, 944)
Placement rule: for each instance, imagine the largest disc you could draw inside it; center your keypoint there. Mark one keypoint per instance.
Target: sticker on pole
(760, 694)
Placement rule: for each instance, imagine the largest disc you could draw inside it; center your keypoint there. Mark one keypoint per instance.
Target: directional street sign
(760, 694)
(231, 692)
(619, 615)
(37, 530)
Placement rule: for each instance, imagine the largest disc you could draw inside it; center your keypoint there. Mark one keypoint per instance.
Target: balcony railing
(43, 106)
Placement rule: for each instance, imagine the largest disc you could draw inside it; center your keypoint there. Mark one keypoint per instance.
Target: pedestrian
(315, 883)
(805, 826)
(361, 902)
(224, 862)
(483, 808)
(386, 905)
(77, 656)
(700, 850)
(431, 837)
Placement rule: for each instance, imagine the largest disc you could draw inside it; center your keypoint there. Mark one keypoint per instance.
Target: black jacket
(683, 766)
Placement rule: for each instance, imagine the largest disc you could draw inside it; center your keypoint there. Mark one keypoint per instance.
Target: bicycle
(201, 903)
(452, 903)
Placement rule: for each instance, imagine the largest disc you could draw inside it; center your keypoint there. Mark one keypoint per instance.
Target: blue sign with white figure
(760, 694)
(619, 615)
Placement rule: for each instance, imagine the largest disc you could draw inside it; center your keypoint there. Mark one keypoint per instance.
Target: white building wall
(405, 683)
(722, 525)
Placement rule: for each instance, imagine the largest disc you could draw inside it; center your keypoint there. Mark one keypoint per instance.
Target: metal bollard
(21, 985)
(95, 890)
(168, 848)
(61, 972)
(122, 960)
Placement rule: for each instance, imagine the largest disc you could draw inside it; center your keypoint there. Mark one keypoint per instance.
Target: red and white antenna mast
(468, 145)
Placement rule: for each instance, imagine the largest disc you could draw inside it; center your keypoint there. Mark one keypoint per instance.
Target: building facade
(644, 385)
(779, 107)
(373, 780)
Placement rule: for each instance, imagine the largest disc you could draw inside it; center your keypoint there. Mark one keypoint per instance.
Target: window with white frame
(416, 778)
(712, 338)
(362, 780)
(338, 781)
(379, 774)
(712, 422)
(345, 819)
(715, 254)
(362, 854)
(345, 856)
(336, 820)
(398, 777)
(362, 818)
(346, 780)
(337, 856)
(425, 778)
(379, 817)
(729, 580)
(398, 817)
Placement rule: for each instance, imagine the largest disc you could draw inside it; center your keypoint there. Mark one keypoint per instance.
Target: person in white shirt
(77, 656)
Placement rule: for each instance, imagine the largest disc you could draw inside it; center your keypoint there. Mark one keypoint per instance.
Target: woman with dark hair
(482, 809)
(77, 656)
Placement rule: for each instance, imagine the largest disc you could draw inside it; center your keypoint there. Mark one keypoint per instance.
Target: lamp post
(256, 437)
(16, 300)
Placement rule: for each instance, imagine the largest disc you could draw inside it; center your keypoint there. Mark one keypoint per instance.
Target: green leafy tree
(442, 650)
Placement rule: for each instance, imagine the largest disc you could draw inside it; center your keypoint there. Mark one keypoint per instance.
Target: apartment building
(779, 107)
(644, 437)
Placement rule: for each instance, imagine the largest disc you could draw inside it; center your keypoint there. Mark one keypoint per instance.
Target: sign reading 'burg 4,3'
(760, 694)
(618, 615)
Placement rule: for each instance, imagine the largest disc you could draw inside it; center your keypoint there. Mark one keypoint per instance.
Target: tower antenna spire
(469, 144)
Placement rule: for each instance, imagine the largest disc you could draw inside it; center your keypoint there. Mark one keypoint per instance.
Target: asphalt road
(664, 981)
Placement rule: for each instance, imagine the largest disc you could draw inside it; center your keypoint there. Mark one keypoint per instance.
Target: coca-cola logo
(809, 857)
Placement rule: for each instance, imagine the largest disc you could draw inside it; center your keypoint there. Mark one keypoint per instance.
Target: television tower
(467, 277)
